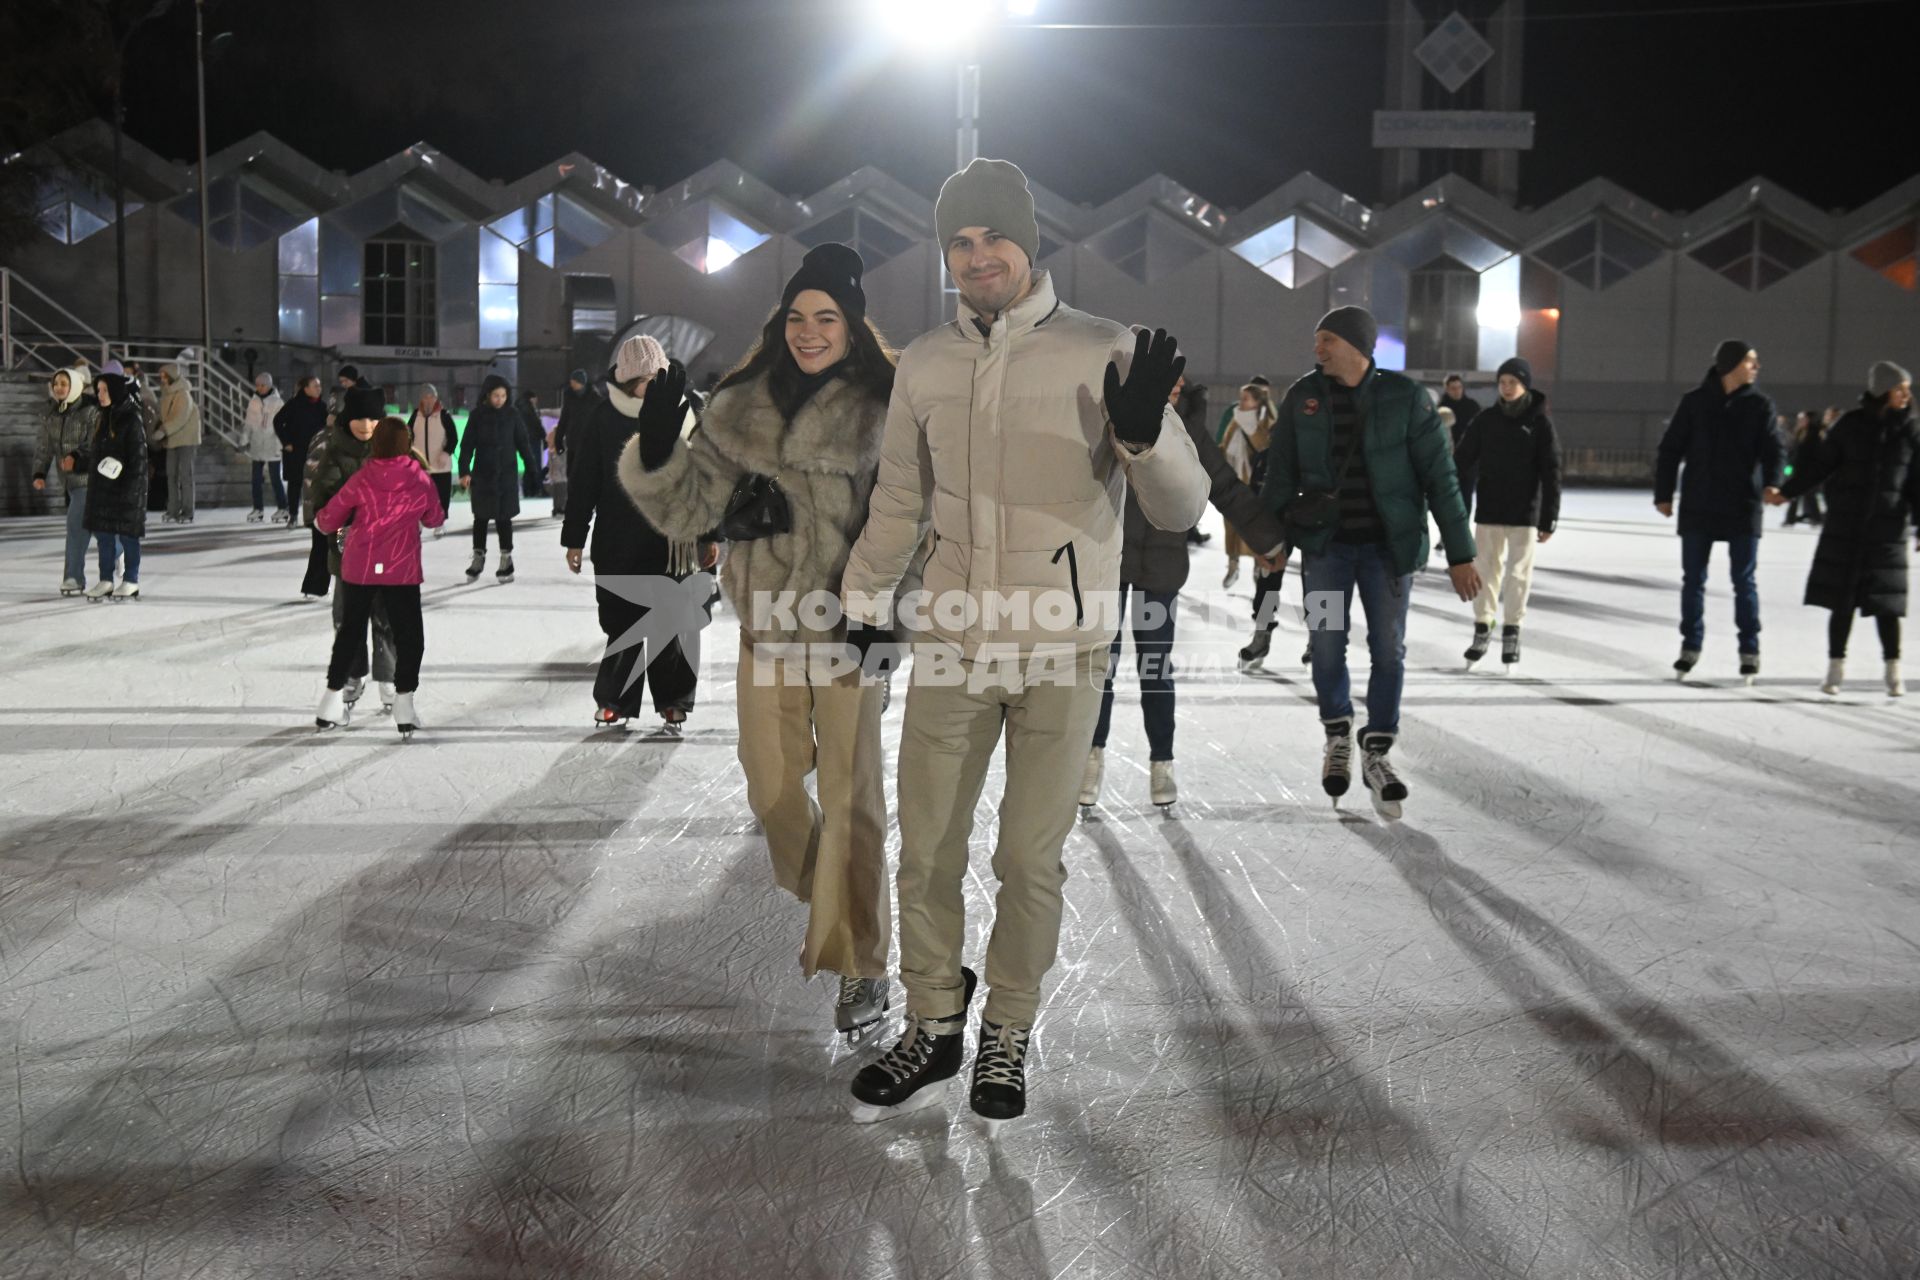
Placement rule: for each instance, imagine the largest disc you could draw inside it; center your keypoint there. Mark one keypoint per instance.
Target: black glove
(661, 414)
(879, 654)
(1135, 409)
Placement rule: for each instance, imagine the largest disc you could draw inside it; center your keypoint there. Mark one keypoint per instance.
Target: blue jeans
(1151, 620)
(1328, 580)
(111, 546)
(261, 470)
(77, 535)
(1742, 554)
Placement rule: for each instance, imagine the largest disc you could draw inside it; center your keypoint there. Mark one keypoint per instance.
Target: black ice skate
(1000, 1075)
(1688, 659)
(475, 565)
(1383, 784)
(905, 1078)
(1749, 667)
(1336, 768)
(1482, 637)
(1255, 652)
(505, 572)
(862, 1002)
(1510, 645)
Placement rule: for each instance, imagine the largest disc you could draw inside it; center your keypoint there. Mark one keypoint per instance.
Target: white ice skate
(255, 516)
(98, 591)
(1836, 676)
(334, 710)
(127, 591)
(1163, 787)
(1090, 781)
(1896, 687)
(387, 695)
(70, 587)
(404, 718)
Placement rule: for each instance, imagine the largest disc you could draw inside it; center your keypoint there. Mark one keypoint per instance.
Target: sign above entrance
(1453, 52)
(1454, 130)
(434, 355)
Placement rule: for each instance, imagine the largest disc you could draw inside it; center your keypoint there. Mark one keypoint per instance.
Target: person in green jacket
(1357, 458)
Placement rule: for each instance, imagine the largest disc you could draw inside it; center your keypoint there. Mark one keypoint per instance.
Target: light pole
(119, 183)
(206, 283)
(967, 135)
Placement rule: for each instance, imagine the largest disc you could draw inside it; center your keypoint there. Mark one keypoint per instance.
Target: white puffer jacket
(262, 444)
(1000, 440)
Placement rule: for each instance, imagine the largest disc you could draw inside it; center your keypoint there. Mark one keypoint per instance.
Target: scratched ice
(1630, 992)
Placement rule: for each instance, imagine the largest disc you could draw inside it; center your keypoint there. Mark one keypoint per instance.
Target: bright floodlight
(932, 24)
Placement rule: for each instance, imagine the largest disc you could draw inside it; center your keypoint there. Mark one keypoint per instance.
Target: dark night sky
(1678, 107)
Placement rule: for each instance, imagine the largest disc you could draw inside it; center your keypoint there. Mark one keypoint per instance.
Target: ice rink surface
(1631, 991)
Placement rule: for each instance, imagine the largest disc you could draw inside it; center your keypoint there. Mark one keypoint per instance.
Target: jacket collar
(1023, 316)
(627, 406)
(836, 432)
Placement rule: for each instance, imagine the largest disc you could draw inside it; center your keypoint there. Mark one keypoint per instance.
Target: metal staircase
(39, 336)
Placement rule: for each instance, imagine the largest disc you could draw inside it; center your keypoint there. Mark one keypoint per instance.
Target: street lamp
(119, 183)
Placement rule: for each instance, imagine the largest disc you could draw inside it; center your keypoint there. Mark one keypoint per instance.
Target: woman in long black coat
(1869, 462)
(117, 489)
(494, 440)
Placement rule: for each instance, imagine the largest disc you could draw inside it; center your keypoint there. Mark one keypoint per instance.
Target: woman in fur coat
(804, 410)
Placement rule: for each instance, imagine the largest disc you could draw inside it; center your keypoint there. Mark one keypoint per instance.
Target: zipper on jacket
(1073, 580)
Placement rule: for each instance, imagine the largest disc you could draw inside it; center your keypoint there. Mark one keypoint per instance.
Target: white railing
(48, 337)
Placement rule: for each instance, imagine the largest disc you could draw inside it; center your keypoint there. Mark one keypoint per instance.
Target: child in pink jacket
(382, 508)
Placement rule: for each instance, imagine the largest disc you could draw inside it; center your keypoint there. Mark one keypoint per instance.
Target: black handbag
(1311, 510)
(757, 508)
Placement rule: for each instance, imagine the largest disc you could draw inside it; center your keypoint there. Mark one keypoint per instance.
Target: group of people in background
(975, 466)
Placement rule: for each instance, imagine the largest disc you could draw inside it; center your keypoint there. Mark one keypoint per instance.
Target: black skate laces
(1003, 1051)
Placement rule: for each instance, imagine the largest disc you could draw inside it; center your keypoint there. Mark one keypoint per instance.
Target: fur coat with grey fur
(825, 461)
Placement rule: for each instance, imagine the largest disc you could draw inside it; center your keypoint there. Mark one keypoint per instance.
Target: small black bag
(757, 508)
(1311, 510)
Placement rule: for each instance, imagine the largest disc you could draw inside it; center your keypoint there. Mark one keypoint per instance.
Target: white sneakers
(1165, 790)
(1090, 780)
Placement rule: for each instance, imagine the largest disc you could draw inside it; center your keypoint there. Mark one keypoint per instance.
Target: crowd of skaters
(827, 462)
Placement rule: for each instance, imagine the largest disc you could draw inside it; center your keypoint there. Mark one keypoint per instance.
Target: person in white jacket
(1015, 432)
(435, 440)
(263, 450)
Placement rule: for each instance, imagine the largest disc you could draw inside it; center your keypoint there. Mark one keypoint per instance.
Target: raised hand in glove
(661, 414)
(879, 654)
(1134, 407)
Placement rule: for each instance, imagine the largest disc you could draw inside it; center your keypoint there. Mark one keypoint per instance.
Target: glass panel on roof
(1263, 247)
(300, 250)
(1321, 244)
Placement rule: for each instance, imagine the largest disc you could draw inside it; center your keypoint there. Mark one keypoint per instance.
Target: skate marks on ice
(300, 1101)
(1306, 1166)
(1719, 1170)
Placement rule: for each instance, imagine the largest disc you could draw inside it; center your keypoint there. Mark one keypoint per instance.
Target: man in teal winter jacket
(1358, 457)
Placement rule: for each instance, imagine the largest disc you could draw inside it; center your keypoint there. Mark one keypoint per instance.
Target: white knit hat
(641, 356)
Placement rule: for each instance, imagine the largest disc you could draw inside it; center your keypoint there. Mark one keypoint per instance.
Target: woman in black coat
(494, 440)
(117, 490)
(1869, 462)
(624, 546)
(298, 422)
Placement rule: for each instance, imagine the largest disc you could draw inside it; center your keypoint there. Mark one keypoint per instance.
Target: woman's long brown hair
(869, 363)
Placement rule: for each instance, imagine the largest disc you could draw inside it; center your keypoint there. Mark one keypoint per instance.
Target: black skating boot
(1256, 649)
(505, 572)
(1687, 661)
(905, 1076)
(475, 565)
(1336, 767)
(1000, 1074)
(1482, 637)
(1749, 667)
(1382, 782)
(1510, 645)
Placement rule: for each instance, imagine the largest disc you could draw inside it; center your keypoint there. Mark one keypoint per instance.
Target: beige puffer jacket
(1001, 441)
(179, 415)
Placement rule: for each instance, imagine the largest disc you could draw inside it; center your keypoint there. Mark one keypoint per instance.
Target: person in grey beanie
(1015, 431)
(1722, 450)
(1869, 463)
(1357, 459)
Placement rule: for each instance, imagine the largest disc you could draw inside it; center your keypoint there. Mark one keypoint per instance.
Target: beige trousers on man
(946, 744)
(1505, 562)
(832, 854)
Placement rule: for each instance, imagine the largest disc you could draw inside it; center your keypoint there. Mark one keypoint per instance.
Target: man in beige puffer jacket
(1015, 431)
(180, 433)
